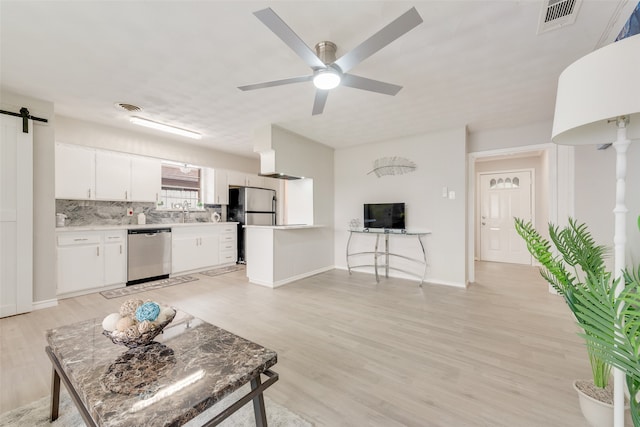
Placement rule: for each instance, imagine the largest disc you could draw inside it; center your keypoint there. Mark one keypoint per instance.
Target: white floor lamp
(598, 99)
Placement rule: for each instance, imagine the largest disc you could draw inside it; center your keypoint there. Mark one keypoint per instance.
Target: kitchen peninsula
(279, 254)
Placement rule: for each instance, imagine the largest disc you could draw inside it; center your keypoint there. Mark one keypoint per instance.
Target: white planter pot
(597, 413)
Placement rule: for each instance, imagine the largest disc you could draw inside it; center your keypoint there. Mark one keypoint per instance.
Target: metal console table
(377, 253)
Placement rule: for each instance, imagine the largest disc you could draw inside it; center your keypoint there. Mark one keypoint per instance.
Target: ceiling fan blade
(276, 83)
(402, 25)
(369, 84)
(291, 39)
(318, 103)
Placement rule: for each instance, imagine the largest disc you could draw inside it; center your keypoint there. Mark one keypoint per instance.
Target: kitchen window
(181, 184)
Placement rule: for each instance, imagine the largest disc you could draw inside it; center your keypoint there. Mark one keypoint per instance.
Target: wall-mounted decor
(392, 166)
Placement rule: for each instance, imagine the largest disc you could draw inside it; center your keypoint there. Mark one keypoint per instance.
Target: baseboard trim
(292, 278)
(427, 281)
(39, 305)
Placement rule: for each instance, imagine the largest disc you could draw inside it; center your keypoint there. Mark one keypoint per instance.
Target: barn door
(16, 217)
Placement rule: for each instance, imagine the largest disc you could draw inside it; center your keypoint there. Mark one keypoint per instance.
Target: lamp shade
(603, 85)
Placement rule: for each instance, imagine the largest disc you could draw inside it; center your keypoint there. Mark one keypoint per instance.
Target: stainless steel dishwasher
(149, 255)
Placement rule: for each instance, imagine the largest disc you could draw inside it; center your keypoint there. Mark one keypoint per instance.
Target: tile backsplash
(96, 212)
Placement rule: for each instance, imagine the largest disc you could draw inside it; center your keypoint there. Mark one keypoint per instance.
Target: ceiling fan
(328, 72)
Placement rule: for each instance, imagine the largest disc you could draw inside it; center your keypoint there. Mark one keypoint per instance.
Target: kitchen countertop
(137, 226)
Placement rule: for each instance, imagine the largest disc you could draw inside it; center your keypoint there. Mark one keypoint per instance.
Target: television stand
(377, 253)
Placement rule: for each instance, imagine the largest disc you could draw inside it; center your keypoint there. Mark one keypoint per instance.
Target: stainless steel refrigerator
(250, 206)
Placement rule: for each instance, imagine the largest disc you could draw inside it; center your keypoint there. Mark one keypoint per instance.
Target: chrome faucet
(185, 211)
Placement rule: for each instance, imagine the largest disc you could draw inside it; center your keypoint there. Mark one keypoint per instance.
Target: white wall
(74, 131)
(441, 161)
(595, 186)
(44, 255)
(508, 137)
(300, 156)
(299, 201)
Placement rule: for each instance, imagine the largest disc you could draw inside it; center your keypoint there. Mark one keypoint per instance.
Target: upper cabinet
(90, 174)
(146, 178)
(113, 176)
(215, 186)
(241, 179)
(75, 172)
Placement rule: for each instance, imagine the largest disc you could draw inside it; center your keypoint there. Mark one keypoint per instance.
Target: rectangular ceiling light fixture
(164, 128)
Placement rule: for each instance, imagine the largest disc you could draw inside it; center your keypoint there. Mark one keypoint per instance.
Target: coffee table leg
(258, 404)
(55, 394)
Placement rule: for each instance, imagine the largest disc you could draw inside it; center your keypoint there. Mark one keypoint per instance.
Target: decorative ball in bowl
(137, 323)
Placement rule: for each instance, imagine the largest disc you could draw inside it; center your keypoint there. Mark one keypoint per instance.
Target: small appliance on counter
(142, 219)
(60, 218)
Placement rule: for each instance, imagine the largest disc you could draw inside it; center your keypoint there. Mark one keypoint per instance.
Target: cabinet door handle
(120, 249)
(98, 250)
(156, 197)
(89, 193)
(80, 240)
(126, 195)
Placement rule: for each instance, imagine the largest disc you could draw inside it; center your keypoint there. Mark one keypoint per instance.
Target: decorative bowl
(143, 339)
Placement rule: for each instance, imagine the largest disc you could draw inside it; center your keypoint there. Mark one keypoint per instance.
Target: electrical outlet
(452, 195)
(130, 212)
(445, 192)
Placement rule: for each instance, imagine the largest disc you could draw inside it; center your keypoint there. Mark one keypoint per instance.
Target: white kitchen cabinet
(254, 181)
(272, 183)
(215, 186)
(242, 179)
(228, 244)
(221, 187)
(80, 261)
(115, 257)
(236, 179)
(146, 179)
(75, 172)
(113, 176)
(194, 248)
(90, 260)
(89, 174)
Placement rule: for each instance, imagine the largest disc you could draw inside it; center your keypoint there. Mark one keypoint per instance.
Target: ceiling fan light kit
(326, 79)
(328, 72)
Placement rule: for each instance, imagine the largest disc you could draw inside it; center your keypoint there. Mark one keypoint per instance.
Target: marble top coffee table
(191, 366)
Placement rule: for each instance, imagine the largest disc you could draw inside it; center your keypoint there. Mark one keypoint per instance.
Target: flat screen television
(384, 215)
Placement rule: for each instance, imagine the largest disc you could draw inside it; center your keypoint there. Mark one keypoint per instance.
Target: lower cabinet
(202, 246)
(90, 260)
(229, 244)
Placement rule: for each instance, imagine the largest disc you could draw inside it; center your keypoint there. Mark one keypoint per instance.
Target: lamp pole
(619, 242)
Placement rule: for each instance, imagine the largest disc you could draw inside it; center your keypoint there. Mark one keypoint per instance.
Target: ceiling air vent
(557, 13)
(128, 107)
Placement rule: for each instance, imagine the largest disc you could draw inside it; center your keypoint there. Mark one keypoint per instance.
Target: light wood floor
(504, 352)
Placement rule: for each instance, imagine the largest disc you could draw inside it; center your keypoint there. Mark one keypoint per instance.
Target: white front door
(16, 217)
(504, 196)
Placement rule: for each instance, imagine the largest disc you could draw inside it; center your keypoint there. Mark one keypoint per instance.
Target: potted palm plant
(567, 265)
(612, 326)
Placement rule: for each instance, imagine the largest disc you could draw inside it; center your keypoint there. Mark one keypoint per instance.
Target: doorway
(504, 196)
(542, 161)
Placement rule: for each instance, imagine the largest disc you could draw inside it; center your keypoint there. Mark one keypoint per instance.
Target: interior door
(16, 217)
(504, 196)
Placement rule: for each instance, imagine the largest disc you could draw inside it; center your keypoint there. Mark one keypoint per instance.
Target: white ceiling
(475, 63)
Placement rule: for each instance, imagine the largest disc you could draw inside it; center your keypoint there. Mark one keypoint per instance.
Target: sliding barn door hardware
(24, 113)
